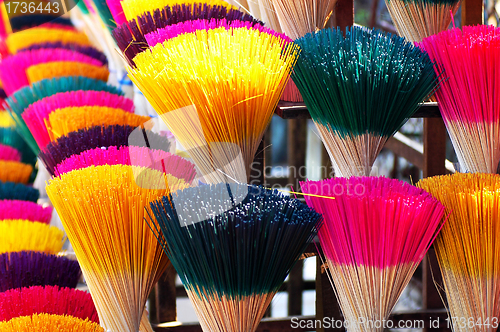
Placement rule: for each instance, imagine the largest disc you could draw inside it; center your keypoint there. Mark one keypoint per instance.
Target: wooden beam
(165, 297)
(344, 14)
(434, 147)
(472, 12)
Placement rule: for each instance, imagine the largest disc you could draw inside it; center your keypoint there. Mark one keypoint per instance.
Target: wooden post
(257, 172)
(472, 12)
(297, 144)
(165, 297)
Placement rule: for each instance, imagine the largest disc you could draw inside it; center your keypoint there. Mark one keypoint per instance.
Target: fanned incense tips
(9, 153)
(16, 209)
(120, 257)
(87, 50)
(375, 233)
(65, 120)
(13, 68)
(360, 89)
(23, 39)
(14, 171)
(23, 98)
(17, 191)
(29, 268)
(232, 246)
(130, 36)
(49, 300)
(136, 8)
(36, 114)
(36, 236)
(49, 323)
(418, 19)
(217, 90)
(131, 155)
(467, 248)
(56, 69)
(469, 98)
(98, 137)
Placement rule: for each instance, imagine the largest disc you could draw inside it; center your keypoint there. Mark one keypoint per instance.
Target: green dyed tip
(233, 240)
(367, 82)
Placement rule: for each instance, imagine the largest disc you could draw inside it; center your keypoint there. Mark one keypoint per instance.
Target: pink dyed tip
(37, 113)
(9, 153)
(115, 7)
(374, 221)
(13, 68)
(14, 209)
(47, 299)
(169, 32)
(130, 155)
(469, 59)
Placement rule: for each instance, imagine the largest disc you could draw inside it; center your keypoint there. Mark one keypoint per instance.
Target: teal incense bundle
(232, 246)
(360, 89)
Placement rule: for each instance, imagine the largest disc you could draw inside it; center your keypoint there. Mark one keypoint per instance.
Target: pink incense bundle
(13, 68)
(469, 99)
(116, 10)
(47, 299)
(14, 209)
(375, 233)
(131, 155)
(172, 31)
(38, 113)
(9, 153)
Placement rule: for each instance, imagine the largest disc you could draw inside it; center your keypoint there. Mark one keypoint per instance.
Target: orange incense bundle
(102, 210)
(69, 119)
(23, 39)
(14, 171)
(56, 69)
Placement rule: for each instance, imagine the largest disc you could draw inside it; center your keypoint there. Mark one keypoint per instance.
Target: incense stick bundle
(29, 268)
(130, 155)
(65, 120)
(23, 39)
(23, 22)
(36, 114)
(13, 68)
(9, 136)
(87, 50)
(16, 209)
(47, 299)
(466, 248)
(17, 191)
(217, 91)
(130, 36)
(98, 137)
(268, 14)
(360, 90)
(19, 101)
(9, 153)
(468, 100)
(232, 246)
(56, 69)
(49, 323)
(120, 257)
(14, 171)
(136, 8)
(419, 19)
(36, 236)
(375, 233)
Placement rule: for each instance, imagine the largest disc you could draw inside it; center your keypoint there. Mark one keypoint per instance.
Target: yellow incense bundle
(69, 119)
(102, 210)
(49, 323)
(135, 8)
(14, 171)
(468, 247)
(217, 91)
(5, 120)
(22, 39)
(26, 235)
(56, 69)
